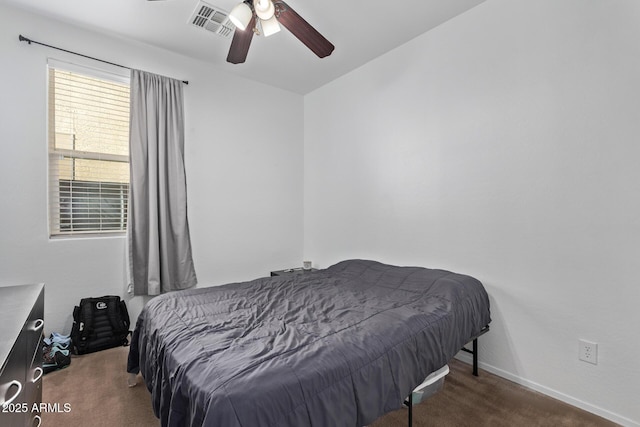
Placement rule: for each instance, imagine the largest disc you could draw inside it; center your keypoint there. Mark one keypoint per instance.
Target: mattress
(335, 347)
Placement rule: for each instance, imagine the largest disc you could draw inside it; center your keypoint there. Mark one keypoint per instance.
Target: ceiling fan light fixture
(264, 9)
(241, 15)
(270, 26)
(262, 13)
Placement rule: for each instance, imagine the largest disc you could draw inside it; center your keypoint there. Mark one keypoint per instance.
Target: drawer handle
(19, 385)
(38, 324)
(37, 417)
(38, 375)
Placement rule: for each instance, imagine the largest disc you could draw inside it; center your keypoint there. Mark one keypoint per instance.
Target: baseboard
(611, 416)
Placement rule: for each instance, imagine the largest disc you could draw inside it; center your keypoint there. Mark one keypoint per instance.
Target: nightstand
(296, 271)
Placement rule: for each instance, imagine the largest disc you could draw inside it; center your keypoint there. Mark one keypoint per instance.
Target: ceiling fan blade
(240, 43)
(303, 30)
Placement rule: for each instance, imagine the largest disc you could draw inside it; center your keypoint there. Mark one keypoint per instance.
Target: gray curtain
(158, 231)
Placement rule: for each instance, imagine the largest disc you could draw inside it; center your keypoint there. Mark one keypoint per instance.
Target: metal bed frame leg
(475, 357)
(474, 352)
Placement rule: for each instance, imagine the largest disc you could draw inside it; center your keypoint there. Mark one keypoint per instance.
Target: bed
(336, 347)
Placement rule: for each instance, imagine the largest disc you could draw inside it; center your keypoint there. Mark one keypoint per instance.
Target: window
(88, 152)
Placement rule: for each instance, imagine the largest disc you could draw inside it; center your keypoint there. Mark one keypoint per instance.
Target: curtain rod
(24, 39)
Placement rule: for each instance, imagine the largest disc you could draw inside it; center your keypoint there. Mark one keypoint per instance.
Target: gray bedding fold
(337, 347)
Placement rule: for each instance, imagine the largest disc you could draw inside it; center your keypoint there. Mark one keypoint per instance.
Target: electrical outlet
(588, 351)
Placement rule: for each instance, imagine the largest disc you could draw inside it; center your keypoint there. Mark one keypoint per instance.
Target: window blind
(88, 153)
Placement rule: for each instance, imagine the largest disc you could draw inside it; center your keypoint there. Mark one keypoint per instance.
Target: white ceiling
(360, 30)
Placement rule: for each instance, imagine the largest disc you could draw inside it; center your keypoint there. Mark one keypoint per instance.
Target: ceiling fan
(266, 16)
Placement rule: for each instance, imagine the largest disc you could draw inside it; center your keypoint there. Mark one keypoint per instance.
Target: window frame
(116, 75)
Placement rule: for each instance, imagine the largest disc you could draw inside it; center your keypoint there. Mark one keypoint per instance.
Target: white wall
(244, 187)
(502, 144)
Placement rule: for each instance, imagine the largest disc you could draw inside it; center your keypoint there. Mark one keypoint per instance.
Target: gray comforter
(337, 347)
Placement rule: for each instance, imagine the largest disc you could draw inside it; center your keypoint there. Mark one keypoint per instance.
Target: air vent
(213, 19)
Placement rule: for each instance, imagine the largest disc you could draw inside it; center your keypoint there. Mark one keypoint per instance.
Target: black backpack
(99, 323)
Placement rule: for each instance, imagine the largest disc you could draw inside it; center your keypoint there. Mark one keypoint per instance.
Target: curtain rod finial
(23, 39)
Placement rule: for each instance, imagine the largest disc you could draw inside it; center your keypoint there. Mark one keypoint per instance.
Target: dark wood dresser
(21, 327)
